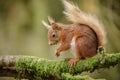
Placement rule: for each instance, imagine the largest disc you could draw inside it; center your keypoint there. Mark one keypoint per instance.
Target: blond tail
(74, 14)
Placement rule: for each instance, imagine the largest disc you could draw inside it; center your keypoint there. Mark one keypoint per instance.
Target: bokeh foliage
(22, 33)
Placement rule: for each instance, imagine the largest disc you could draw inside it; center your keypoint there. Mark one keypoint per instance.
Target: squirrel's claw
(73, 61)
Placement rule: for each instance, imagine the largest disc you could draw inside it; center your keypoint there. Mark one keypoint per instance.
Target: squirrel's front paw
(57, 54)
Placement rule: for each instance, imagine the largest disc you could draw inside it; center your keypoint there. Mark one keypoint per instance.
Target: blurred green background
(22, 33)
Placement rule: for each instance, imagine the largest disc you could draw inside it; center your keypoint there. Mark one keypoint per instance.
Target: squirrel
(84, 36)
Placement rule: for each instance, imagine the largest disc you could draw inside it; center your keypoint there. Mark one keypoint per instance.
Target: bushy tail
(74, 14)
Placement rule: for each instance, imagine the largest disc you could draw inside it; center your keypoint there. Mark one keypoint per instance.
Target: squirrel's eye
(53, 35)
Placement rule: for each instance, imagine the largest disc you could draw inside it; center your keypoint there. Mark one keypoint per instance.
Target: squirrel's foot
(72, 61)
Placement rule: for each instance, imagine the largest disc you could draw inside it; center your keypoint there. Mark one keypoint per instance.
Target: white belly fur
(73, 47)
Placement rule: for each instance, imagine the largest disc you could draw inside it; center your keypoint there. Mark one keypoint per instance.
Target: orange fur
(86, 34)
(86, 42)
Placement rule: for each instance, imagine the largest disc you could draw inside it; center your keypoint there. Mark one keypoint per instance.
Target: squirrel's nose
(50, 43)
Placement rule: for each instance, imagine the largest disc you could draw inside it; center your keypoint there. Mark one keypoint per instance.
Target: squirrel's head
(54, 31)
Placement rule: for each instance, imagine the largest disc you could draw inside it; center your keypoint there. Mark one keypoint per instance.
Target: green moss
(37, 67)
(43, 68)
(67, 76)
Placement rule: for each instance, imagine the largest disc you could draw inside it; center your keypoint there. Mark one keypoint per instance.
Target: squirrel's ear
(50, 20)
(55, 26)
(46, 25)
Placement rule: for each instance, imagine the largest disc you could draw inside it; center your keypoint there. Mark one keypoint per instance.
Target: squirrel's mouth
(53, 43)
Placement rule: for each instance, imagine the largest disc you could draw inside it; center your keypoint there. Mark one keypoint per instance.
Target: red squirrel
(84, 36)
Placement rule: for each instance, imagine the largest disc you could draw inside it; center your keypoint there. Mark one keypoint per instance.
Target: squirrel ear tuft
(46, 24)
(50, 20)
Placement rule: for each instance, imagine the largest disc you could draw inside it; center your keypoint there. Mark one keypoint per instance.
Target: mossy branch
(36, 68)
(67, 76)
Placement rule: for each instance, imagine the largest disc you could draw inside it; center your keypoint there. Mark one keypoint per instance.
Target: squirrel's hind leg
(76, 52)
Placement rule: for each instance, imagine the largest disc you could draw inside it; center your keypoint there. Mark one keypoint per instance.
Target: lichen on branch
(36, 68)
(67, 76)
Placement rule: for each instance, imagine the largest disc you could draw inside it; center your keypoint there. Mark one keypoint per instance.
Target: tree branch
(67, 76)
(35, 68)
